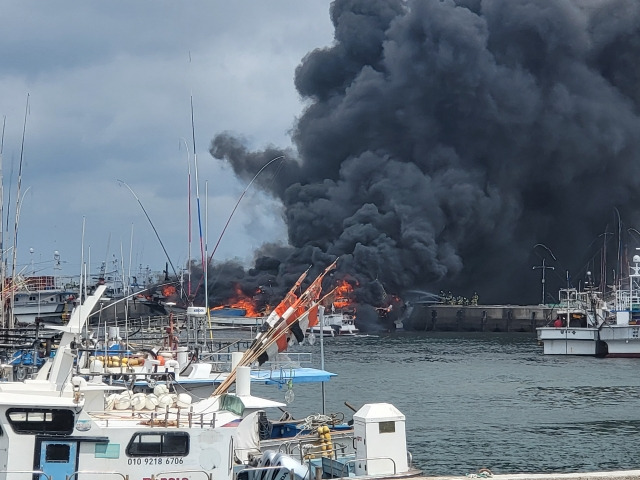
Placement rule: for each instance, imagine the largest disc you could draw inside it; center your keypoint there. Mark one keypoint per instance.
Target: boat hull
(622, 340)
(571, 341)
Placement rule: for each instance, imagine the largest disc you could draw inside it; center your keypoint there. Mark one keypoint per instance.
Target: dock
(478, 318)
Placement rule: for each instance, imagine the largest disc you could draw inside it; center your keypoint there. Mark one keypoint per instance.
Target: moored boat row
(66, 425)
(586, 323)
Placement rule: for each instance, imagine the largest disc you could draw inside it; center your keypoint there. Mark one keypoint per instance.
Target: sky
(109, 87)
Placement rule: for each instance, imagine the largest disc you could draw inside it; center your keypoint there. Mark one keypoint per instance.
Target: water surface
(485, 400)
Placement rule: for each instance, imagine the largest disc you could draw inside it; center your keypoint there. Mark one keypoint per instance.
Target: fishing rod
(281, 157)
(215, 248)
(154, 230)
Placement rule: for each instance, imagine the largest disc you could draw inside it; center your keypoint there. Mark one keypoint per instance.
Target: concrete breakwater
(478, 318)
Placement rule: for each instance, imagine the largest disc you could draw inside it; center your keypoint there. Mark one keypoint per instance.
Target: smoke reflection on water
(485, 400)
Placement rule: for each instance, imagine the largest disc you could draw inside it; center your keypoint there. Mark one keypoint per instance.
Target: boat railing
(75, 474)
(286, 360)
(33, 472)
(366, 459)
(161, 417)
(625, 300)
(222, 361)
(309, 449)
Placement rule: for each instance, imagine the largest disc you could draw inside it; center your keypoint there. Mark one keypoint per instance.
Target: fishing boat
(41, 298)
(621, 330)
(342, 321)
(180, 371)
(227, 316)
(183, 361)
(60, 426)
(576, 325)
(322, 328)
(597, 327)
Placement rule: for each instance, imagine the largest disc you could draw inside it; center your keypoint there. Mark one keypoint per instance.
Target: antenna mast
(17, 217)
(3, 271)
(195, 166)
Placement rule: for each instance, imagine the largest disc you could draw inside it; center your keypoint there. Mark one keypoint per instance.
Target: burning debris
(252, 306)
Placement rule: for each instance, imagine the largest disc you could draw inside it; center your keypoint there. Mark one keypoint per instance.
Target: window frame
(42, 421)
(133, 447)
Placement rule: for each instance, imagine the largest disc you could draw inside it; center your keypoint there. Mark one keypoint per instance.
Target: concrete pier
(478, 318)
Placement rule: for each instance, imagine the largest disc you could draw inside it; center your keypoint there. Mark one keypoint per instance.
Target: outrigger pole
(215, 248)
(154, 230)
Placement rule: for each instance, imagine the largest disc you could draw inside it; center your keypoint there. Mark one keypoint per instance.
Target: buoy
(138, 401)
(110, 401)
(122, 402)
(165, 400)
(183, 400)
(160, 389)
(151, 402)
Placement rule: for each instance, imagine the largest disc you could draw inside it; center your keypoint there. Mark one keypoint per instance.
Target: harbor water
(485, 400)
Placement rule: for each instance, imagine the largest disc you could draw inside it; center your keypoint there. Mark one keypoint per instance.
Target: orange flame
(168, 291)
(343, 295)
(241, 300)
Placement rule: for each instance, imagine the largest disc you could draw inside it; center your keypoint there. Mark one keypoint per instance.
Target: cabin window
(387, 427)
(158, 444)
(57, 453)
(41, 420)
(107, 450)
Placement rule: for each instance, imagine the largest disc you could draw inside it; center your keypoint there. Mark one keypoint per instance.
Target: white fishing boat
(621, 331)
(183, 362)
(180, 372)
(235, 318)
(596, 327)
(322, 328)
(60, 426)
(336, 322)
(575, 327)
(42, 298)
(342, 322)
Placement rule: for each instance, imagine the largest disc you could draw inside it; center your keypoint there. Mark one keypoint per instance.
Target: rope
(312, 422)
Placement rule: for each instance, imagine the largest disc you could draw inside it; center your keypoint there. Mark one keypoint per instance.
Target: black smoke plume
(444, 139)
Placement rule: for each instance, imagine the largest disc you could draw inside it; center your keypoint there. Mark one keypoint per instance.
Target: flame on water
(241, 300)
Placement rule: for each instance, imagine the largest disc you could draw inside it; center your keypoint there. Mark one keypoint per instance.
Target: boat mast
(634, 286)
(195, 166)
(80, 292)
(3, 295)
(206, 253)
(17, 216)
(188, 221)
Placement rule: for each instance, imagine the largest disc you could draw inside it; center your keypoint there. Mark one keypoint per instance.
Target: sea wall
(478, 318)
